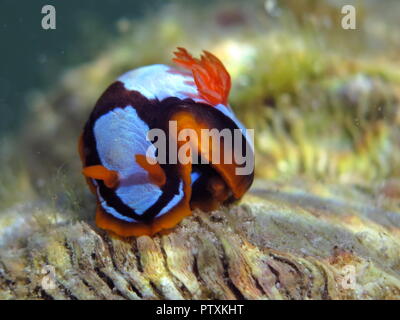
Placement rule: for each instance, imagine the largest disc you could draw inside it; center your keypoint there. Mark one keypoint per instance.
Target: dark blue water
(31, 57)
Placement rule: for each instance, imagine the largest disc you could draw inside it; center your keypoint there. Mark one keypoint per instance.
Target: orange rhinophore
(210, 76)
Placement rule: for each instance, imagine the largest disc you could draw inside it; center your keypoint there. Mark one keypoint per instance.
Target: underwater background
(324, 103)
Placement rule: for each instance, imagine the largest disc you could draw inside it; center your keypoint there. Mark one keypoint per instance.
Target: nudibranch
(137, 194)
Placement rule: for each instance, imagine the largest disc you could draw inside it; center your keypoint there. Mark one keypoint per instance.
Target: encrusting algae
(322, 220)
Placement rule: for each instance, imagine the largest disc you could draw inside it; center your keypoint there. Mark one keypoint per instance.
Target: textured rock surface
(280, 242)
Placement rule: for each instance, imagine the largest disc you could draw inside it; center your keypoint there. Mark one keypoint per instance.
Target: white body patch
(156, 81)
(120, 135)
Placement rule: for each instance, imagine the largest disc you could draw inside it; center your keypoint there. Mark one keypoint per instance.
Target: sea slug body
(136, 196)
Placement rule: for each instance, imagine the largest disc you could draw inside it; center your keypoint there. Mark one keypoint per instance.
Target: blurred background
(324, 101)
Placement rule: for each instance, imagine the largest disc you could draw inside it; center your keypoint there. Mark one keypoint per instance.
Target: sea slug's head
(162, 141)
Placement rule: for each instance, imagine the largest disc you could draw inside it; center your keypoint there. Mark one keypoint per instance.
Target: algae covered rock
(280, 242)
